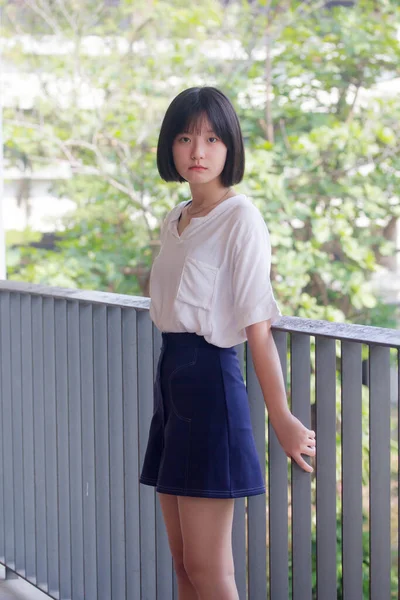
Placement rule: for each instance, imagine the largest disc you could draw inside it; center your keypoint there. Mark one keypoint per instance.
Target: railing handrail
(366, 334)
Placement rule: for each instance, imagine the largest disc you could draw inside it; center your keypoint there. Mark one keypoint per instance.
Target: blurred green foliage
(321, 139)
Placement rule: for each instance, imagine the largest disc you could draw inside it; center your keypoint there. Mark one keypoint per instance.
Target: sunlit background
(316, 85)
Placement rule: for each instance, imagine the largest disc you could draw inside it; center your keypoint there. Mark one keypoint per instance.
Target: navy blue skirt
(201, 440)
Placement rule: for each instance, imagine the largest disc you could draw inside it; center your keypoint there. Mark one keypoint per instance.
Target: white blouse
(214, 279)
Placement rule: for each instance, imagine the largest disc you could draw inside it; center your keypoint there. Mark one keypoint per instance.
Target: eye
(213, 138)
(183, 138)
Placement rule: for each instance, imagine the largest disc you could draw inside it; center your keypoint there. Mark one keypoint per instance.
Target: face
(201, 148)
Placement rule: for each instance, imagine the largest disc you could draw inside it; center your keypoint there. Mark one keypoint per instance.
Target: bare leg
(169, 506)
(206, 526)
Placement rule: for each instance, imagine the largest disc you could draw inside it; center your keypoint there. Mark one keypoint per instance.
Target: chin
(198, 177)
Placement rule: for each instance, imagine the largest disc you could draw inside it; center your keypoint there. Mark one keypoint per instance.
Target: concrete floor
(6, 593)
(18, 589)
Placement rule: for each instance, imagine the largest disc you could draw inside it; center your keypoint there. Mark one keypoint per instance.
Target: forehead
(199, 125)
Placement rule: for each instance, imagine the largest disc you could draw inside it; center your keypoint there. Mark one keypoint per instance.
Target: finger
(309, 450)
(311, 433)
(306, 445)
(303, 464)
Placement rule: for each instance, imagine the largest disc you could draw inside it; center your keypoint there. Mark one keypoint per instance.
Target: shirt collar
(197, 221)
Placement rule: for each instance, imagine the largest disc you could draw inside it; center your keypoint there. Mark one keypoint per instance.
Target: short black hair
(184, 113)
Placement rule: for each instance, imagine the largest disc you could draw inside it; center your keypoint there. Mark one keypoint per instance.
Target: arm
(293, 436)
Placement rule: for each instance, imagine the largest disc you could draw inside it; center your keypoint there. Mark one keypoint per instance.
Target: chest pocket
(197, 283)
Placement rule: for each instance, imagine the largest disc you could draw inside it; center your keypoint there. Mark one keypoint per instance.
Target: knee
(180, 569)
(195, 570)
(198, 571)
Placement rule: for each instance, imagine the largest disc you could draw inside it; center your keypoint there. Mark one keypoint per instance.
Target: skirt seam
(222, 492)
(142, 478)
(227, 424)
(217, 492)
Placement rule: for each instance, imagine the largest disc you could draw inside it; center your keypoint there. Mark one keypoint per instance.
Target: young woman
(210, 290)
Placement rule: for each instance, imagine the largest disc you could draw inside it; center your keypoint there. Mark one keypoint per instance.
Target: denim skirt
(200, 440)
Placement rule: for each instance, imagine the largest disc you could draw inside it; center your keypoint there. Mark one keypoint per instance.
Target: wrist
(279, 418)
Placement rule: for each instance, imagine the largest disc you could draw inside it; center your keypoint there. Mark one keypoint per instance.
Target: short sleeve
(253, 296)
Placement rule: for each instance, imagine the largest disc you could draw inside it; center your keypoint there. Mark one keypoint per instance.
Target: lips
(197, 168)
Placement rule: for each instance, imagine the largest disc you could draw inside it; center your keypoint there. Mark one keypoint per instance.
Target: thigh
(206, 525)
(169, 506)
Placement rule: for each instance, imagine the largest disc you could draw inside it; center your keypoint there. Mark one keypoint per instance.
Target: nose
(198, 149)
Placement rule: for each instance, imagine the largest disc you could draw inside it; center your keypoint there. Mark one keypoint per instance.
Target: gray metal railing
(76, 386)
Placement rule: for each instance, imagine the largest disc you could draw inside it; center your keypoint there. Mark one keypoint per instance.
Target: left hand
(295, 439)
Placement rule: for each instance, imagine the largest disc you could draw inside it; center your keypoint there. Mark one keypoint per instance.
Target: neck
(206, 194)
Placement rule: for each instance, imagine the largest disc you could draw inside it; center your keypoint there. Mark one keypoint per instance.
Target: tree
(322, 154)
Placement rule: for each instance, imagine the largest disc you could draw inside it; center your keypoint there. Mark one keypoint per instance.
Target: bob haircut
(184, 114)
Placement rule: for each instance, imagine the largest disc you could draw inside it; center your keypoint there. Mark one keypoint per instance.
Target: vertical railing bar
(116, 421)
(28, 442)
(75, 450)
(239, 545)
(351, 471)
(41, 535)
(155, 494)
(7, 434)
(278, 554)
(301, 481)
(131, 452)
(16, 397)
(256, 505)
(2, 473)
(102, 455)
(51, 446)
(239, 520)
(89, 508)
(325, 363)
(175, 587)
(70, 484)
(379, 456)
(62, 418)
(146, 493)
(163, 558)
